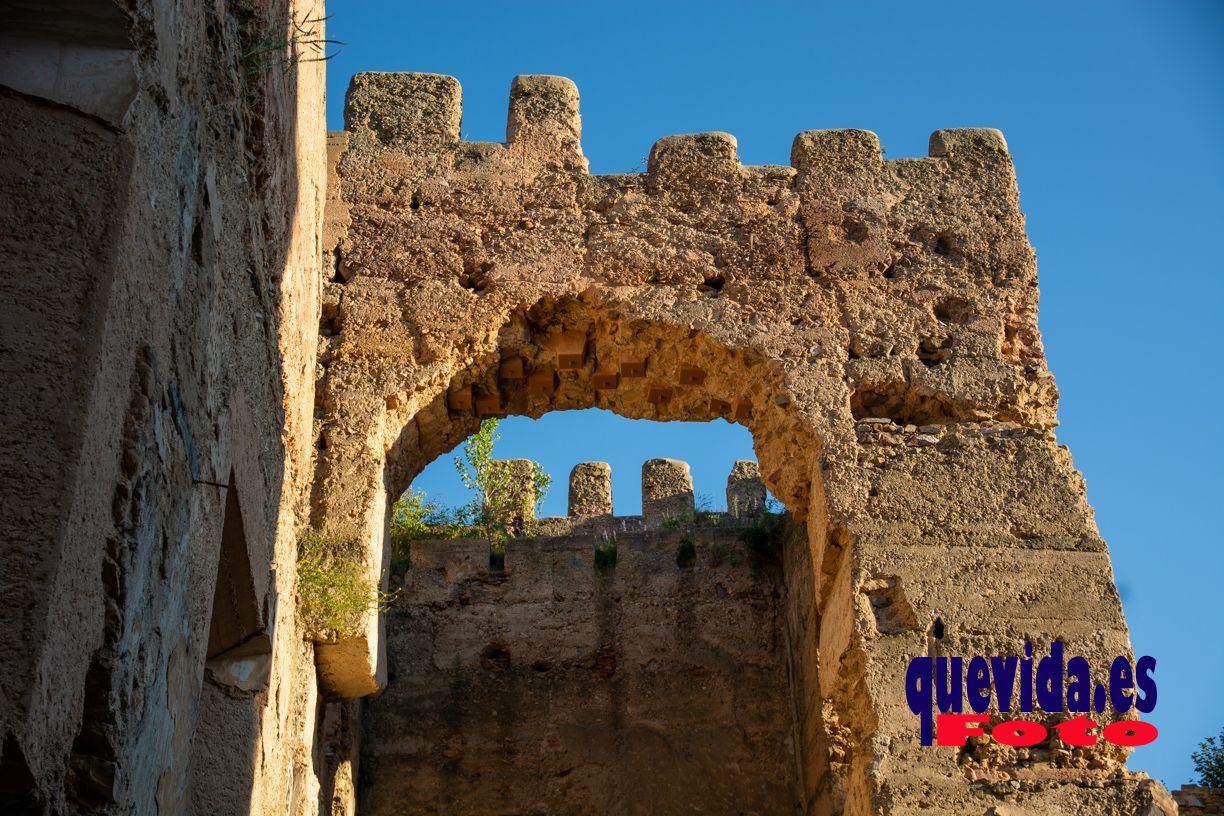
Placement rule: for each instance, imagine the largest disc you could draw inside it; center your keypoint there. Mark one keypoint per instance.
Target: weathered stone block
(667, 491)
(745, 490)
(590, 489)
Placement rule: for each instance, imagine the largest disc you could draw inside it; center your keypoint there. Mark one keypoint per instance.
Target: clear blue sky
(1114, 112)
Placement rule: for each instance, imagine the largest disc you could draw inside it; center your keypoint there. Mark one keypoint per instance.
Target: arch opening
(542, 668)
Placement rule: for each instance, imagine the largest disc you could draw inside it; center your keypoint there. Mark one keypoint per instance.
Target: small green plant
(499, 503)
(501, 506)
(605, 552)
(717, 553)
(414, 518)
(335, 592)
(763, 538)
(1209, 761)
(265, 49)
(686, 556)
(674, 522)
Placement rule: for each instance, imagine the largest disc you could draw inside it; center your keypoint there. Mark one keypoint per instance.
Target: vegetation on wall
(500, 508)
(335, 591)
(264, 48)
(1209, 761)
(766, 534)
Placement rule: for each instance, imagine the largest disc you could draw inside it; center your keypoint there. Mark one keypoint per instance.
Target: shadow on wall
(126, 528)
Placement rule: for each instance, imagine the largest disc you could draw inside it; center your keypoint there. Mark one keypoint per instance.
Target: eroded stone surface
(872, 322)
(745, 490)
(590, 489)
(667, 491)
(560, 686)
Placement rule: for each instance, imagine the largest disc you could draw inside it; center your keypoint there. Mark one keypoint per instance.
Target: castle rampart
(872, 322)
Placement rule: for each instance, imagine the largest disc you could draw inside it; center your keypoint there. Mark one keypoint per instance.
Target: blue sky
(1114, 113)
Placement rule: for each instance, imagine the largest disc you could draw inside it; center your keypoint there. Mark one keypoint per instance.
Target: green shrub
(335, 592)
(1209, 761)
(413, 519)
(686, 556)
(498, 504)
(605, 552)
(764, 537)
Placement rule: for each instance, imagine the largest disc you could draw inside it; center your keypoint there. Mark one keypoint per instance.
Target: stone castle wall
(163, 196)
(1197, 800)
(872, 322)
(184, 393)
(606, 665)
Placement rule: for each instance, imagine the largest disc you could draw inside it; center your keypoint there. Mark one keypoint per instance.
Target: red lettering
(1019, 733)
(954, 729)
(1075, 732)
(1130, 733)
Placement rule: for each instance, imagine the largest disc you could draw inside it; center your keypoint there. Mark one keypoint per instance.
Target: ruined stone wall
(872, 322)
(650, 678)
(1196, 800)
(162, 223)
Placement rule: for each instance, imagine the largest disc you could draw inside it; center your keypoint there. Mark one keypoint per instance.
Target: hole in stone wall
(904, 404)
(552, 646)
(934, 350)
(954, 310)
(714, 283)
(495, 658)
(237, 667)
(945, 244)
(937, 629)
(476, 276)
(896, 268)
(338, 268)
(235, 611)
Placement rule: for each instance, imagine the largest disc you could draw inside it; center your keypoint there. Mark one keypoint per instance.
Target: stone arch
(570, 354)
(573, 352)
(873, 304)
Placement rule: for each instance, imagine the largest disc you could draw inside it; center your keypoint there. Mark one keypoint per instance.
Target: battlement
(667, 496)
(668, 506)
(604, 640)
(422, 111)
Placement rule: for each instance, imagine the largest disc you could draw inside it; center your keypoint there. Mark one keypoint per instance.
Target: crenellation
(544, 117)
(689, 158)
(818, 150)
(403, 109)
(969, 144)
(667, 491)
(745, 490)
(590, 489)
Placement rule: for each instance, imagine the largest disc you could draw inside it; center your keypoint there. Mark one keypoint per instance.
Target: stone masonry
(653, 680)
(872, 322)
(225, 328)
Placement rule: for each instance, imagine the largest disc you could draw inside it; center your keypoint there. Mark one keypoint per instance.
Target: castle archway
(872, 322)
(572, 353)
